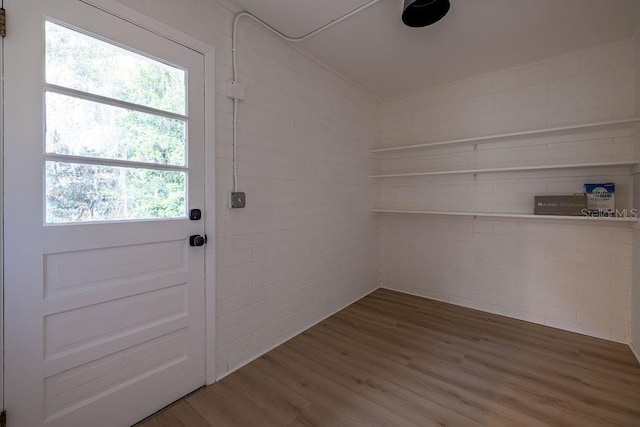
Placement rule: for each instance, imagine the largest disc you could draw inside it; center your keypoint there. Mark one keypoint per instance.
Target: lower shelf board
(629, 220)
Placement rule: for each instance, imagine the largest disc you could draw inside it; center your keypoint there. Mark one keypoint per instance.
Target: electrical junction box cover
(238, 200)
(235, 90)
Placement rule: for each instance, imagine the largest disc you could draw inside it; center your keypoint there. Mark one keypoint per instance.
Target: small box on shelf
(600, 198)
(573, 205)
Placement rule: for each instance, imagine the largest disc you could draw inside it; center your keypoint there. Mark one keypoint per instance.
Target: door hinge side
(3, 419)
(3, 22)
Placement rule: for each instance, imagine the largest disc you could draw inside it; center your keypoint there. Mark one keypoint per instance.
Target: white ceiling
(377, 51)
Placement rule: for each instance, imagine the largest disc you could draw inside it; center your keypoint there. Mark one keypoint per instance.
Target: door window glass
(116, 132)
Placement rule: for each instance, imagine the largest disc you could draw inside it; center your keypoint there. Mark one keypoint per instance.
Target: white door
(104, 158)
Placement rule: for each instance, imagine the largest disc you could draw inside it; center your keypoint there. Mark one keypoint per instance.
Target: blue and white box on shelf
(600, 197)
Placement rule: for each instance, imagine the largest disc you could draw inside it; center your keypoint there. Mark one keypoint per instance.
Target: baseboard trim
(243, 364)
(415, 294)
(635, 352)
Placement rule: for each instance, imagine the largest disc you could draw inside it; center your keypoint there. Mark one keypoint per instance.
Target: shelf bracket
(475, 147)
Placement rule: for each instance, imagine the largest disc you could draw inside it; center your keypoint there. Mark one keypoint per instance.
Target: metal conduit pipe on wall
(415, 13)
(234, 48)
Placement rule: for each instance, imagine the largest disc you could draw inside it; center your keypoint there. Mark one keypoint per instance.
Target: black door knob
(197, 240)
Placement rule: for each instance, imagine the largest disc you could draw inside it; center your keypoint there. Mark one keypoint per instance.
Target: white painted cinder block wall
(305, 245)
(563, 274)
(635, 323)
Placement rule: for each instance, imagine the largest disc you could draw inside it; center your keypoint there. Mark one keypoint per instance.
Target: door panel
(104, 320)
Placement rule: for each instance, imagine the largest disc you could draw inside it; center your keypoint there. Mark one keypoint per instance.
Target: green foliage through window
(85, 128)
(80, 192)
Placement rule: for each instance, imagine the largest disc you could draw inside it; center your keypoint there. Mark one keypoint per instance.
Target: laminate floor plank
(220, 406)
(379, 391)
(443, 345)
(475, 326)
(333, 384)
(570, 404)
(315, 415)
(393, 359)
(459, 400)
(372, 341)
(179, 415)
(346, 407)
(559, 375)
(279, 409)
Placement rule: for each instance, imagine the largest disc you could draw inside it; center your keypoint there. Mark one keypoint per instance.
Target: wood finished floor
(396, 360)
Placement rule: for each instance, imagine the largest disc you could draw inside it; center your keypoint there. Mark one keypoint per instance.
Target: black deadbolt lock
(197, 240)
(195, 214)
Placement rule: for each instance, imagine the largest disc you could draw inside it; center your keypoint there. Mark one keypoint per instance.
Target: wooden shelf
(613, 124)
(512, 169)
(508, 215)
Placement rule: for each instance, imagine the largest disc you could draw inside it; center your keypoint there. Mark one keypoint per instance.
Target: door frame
(208, 51)
(2, 219)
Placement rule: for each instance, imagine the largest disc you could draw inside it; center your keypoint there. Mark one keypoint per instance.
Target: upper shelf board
(513, 169)
(511, 215)
(612, 124)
